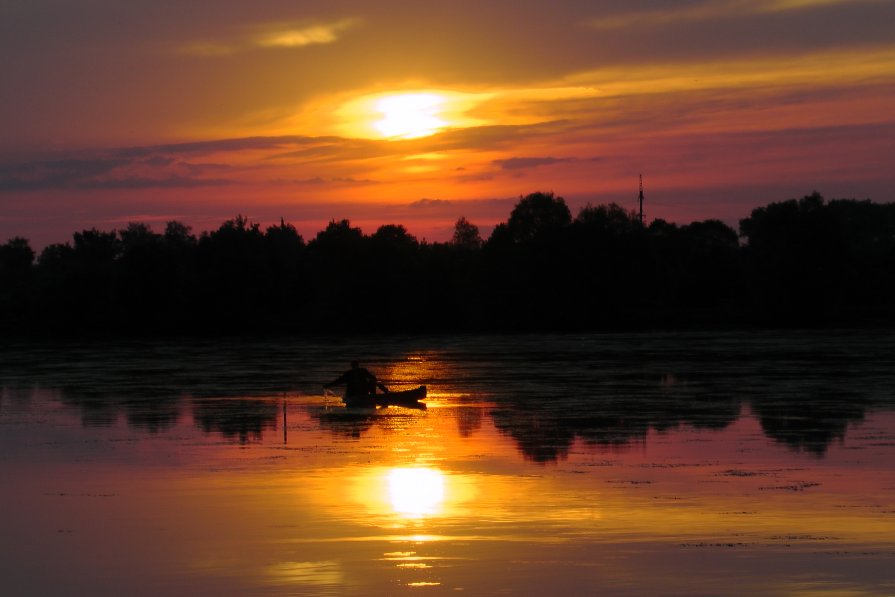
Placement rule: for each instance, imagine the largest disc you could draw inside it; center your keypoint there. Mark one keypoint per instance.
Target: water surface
(676, 464)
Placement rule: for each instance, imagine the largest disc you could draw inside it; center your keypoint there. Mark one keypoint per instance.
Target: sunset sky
(420, 112)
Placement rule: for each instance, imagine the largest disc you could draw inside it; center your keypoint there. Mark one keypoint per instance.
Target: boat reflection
(354, 422)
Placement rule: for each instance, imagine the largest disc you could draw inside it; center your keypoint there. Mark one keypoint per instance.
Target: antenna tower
(641, 199)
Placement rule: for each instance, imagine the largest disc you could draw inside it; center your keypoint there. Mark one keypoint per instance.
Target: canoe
(409, 398)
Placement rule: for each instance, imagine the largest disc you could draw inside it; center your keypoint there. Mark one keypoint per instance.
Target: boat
(407, 398)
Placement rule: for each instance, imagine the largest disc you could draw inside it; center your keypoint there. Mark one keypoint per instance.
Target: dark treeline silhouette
(803, 262)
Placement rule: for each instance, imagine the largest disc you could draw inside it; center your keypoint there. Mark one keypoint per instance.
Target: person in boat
(358, 382)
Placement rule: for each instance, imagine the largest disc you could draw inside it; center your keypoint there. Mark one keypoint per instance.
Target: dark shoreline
(804, 263)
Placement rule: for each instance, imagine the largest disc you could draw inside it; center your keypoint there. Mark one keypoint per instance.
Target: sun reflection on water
(416, 492)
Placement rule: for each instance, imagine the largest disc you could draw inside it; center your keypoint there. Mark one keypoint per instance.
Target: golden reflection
(306, 573)
(416, 492)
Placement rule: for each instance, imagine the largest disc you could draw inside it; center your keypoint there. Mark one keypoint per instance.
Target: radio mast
(641, 199)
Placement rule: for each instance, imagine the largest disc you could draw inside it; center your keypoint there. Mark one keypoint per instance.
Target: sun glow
(416, 492)
(410, 115)
(395, 115)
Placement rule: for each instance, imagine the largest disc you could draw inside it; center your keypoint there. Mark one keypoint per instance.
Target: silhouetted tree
(802, 262)
(537, 215)
(339, 238)
(710, 277)
(609, 219)
(86, 294)
(811, 262)
(525, 265)
(466, 235)
(180, 305)
(95, 247)
(394, 237)
(394, 256)
(16, 259)
(285, 248)
(233, 270)
(338, 259)
(611, 268)
(142, 279)
(179, 234)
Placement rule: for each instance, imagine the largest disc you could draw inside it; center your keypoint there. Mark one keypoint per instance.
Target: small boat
(408, 398)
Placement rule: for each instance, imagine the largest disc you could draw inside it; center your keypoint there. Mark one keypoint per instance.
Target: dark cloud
(223, 145)
(171, 182)
(319, 180)
(528, 163)
(471, 178)
(350, 180)
(54, 174)
(712, 30)
(162, 166)
(480, 138)
(160, 161)
(431, 203)
(324, 149)
(135, 172)
(489, 210)
(197, 169)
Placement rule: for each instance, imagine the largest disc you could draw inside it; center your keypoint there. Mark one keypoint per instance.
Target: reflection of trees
(346, 424)
(152, 414)
(609, 391)
(233, 417)
(540, 437)
(96, 410)
(147, 412)
(15, 394)
(809, 423)
(144, 382)
(545, 429)
(469, 420)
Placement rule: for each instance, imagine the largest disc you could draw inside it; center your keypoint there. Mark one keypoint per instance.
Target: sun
(397, 114)
(410, 115)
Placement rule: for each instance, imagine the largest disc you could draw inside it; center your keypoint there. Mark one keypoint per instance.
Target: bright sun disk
(410, 115)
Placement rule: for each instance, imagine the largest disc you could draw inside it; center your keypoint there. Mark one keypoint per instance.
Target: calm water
(679, 464)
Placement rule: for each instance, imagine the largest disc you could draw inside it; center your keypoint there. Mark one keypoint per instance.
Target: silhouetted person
(357, 381)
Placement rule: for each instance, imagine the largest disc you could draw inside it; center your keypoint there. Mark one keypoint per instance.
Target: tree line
(805, 262)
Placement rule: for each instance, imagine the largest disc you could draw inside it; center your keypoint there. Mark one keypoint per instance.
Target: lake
(628, 464)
